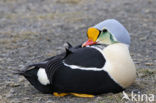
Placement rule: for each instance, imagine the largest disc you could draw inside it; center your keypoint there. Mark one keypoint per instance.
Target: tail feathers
(22, 72)
(19, 72)
(31, 66)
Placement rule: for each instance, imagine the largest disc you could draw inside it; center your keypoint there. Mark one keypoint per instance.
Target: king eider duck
(100, 65)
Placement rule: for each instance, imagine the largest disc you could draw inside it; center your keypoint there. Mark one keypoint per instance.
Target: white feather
(82, 68)
(42, 76)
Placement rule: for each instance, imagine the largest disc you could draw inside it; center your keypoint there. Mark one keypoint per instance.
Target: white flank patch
(42, 76)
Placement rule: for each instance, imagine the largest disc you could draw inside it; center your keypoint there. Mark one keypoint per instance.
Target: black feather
(69, 45)
(68, 51)
(85, 57)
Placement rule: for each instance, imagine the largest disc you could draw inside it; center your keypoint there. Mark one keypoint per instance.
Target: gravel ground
(32, 30)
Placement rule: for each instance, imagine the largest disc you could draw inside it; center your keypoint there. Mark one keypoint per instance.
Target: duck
(100, 65)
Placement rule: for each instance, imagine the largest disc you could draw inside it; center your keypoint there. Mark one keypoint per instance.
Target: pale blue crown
(116, 29)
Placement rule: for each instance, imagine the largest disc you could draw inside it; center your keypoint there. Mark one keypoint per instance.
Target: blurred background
(32, 30)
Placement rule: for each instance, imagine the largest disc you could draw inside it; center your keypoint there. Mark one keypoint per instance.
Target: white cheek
(42, 76)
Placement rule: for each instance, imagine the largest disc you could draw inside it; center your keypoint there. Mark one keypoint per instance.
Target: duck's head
(107, 32)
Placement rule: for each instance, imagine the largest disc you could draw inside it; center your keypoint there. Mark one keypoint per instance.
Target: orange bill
(88, 42)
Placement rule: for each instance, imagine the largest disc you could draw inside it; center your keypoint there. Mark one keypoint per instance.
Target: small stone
(0, 97)
(26, 98)
(50, 101)
(148, 64)
(21, 79)
(10, 93)
(15, 100)
(14, 85)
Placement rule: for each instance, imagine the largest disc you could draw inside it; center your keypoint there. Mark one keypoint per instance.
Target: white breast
(119, 64)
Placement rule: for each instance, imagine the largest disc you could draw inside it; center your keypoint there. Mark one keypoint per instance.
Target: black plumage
(80, 81)
(64, 79)
(85, 57)
(30, 75)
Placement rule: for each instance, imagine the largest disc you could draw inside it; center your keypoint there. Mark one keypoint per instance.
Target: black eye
(105, 30)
